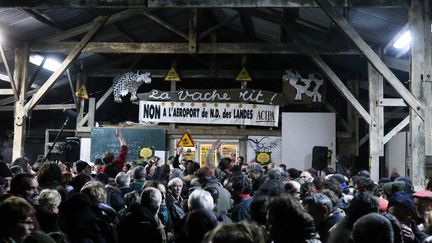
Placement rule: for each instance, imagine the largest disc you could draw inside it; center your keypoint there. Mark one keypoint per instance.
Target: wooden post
(420, 65)
(352, 117)
(193, 22)
(376, 131)
(20, 76)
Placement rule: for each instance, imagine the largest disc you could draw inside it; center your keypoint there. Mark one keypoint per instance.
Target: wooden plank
(98, 104)
(121, 4)
(41, 18)
(98, 23)
(391, 102)
(8, 71)
(72, 89)
(417, 126)
(6, 92)
(42, 107)
(86, 27)
(339, 117)
(396, 129)
(36, 72)
(91, 112)
(183, 48)
(352, 117)
(267, 3)
(193, 22)
(372, 57)
(20, 75)
(165, 24)
(427, 78)
(377, 127)
(340, 86)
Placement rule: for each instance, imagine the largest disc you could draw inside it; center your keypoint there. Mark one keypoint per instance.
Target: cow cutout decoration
(129, 83)
(309, 87)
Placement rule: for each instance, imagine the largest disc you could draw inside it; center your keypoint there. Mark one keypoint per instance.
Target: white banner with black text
(208, 113)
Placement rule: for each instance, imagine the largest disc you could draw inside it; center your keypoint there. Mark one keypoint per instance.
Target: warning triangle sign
(243, 75)
(185, 141)
(82, 92)
(172, 75)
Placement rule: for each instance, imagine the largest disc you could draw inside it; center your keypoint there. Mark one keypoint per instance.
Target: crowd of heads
(181, 201)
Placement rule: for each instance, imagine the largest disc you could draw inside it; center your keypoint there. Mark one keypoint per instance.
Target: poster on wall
(208, 113)
(189, 153)
(204, 148)
(264, 149)
(229, 151)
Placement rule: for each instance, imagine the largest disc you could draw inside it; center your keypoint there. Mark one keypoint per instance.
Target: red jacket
(121, 160)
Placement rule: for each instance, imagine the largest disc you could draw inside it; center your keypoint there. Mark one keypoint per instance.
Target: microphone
(70, 113)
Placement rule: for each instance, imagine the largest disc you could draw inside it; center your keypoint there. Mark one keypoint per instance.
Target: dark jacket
(174, 208)
(224, 202)
(324, 227)
(242, 210)
(140, 225)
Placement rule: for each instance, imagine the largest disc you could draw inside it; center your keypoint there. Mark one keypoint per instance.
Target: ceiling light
(4, 77)
(403, 41)
(50, 64)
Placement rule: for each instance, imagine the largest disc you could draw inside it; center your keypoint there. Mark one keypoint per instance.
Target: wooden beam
(339, 85)
(6, 92)
(72, 89)
(8, 71)
(193, 28)
(121, 4)
(391, 102)
(418, 26)
(98, 23)
(403, 52)
(91, 112)
(376, 129)
(165, 24)
(372, 57)
(86, 27)
(20, 75)
(98, 104)
(396, 129)
(248, 25)
(42, 107)
(193, 73)
(183, 48)
(41, 18)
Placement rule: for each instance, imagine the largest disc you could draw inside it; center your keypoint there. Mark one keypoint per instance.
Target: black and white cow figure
(129, 83)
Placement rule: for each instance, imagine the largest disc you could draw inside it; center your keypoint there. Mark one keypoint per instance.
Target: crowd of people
(223, 201)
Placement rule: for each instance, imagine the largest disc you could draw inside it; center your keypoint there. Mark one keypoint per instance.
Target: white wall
(301, 132)
(395, 154)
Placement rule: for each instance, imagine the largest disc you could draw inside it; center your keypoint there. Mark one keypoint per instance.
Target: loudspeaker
(320, 157)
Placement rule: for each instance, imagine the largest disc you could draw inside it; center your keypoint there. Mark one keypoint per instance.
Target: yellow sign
(263, 158)
(243, 75)
(82, 92)
(172, 75)
(185, 141)
(146, 152)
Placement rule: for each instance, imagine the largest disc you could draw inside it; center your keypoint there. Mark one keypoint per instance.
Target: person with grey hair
(174, 200)
(373, 227)
(122, 181)
(139, 175)
(320, 207)
(142, 220)
(200, 199)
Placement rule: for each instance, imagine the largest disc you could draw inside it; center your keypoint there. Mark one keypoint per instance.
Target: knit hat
(402, 199)
(274, 174)
(392, 187)
(81, 165)
(4, 170)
